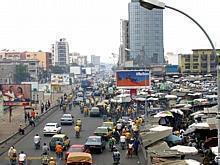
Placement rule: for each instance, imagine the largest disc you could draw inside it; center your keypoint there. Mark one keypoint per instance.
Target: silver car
(67, 119)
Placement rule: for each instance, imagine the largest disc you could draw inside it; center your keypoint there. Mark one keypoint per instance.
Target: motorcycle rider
(77, 130)
(45, 149)
(123, 142)
(12, 154)
(22, 158)
(37, 141)
(111, 143)
(116, 156)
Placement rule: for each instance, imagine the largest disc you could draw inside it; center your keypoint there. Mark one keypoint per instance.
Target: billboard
(46, 88)
(60, 79)
(16, 94)
(76, 70)
(34, 85)
(133, 78)
(172, 69)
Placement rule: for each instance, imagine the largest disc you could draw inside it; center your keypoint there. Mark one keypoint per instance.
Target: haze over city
(93, 27)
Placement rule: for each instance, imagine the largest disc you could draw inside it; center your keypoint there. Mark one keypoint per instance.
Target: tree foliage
(21, 73)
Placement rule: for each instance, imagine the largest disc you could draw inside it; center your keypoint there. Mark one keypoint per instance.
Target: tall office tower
(145, 35)
(61, 52)
(124, 43)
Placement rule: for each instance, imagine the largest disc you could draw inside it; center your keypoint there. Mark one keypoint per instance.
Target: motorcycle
(21, 162)
(37, 145)
(77, 134)
(13, 161)
(123, 145)
(116, 161)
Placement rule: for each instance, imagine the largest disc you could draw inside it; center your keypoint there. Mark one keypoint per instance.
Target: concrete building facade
(60, 53)
(124, 43)
(32, 67)
(145, 35)
(44, 58)
(201, 61)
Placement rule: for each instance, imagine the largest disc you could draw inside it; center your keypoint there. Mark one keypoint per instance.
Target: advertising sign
(75, 69)
(133, 78)
(16, 95)
(60, 79)
(172, 69)
(34, 85)
(46, 88)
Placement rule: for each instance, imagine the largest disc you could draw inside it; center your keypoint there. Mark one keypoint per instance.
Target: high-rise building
(124, 43)
(95, 60)
(145, 35)
(61, 52)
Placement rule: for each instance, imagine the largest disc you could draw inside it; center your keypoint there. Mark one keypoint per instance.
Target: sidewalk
(9, 128)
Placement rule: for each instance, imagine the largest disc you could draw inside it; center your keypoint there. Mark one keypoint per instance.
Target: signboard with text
(133, 79)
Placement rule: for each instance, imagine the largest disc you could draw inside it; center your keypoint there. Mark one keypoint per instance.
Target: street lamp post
(155, 4)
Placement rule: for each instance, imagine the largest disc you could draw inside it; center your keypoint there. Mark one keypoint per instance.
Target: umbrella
(185, 149)
(152, 99)
(178, 111)
(173, 138)
(171, 97)
(164, 114)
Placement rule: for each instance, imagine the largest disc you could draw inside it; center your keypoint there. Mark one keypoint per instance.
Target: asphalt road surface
(88, 126)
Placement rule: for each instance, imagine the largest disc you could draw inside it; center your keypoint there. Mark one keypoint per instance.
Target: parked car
(67, 119)
(75, 148)
(51, 129)
(94, 112)
(103, 131)
(95, 143)
(59, 138)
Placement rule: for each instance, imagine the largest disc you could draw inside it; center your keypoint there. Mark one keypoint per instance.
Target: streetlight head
(152, 4)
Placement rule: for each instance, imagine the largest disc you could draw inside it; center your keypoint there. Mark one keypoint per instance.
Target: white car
(51, 129)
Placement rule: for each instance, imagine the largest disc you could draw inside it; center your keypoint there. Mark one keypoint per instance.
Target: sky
(93, 26)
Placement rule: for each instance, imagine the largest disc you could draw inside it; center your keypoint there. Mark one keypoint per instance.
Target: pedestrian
(46, 106)
(25, 117)
(33, 114)
(48, 103)
(136, 144)
(59, 151)
(42, 107)
(31, 121)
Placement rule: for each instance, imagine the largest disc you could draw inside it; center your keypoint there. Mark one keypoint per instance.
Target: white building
(60, 52)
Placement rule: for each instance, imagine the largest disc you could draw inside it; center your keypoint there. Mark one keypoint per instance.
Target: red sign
(133, 92)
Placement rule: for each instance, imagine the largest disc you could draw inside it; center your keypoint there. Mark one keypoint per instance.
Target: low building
(44, 58)
(202, 61)
(32, 66)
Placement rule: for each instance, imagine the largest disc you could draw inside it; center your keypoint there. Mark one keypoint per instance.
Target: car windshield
(50, 125)
(53, 140)
(67, 116)
(95, 110)
(75, 149)
(101, 130)
(107, 124)
(94, 140)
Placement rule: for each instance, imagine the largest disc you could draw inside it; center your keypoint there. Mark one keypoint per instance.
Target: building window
(195, 66)
(187, 67)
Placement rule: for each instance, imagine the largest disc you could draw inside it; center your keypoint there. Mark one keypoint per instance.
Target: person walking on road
(45, 149)
(42, 107)
(12, 154)
(33, 114)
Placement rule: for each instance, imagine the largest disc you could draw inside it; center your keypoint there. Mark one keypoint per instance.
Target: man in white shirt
(22, 157)
(37, 139)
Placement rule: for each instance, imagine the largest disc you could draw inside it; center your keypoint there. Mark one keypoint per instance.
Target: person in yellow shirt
(77, 130)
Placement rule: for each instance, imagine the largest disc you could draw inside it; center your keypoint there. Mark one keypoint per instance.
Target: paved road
(89, 125)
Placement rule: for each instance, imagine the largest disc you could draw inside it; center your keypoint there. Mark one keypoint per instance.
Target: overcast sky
(93, 26)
